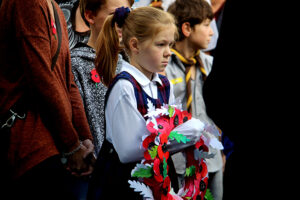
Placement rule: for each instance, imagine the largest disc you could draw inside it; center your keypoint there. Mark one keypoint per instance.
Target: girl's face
(107, 9)
(153, 54)
(201, 35)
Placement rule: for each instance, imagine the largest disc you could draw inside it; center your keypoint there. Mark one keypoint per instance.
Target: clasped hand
(81, 163)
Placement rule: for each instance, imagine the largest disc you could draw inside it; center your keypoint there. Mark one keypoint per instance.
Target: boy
(187, 70)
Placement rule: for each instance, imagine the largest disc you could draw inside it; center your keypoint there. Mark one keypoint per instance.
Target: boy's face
(201, 35)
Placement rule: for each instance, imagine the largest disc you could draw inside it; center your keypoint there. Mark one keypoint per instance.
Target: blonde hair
(143, 23)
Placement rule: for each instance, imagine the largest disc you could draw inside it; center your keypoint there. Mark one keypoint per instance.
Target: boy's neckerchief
(191, 61)
(188, 63)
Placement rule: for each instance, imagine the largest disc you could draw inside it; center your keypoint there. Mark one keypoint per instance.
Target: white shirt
(125, 126)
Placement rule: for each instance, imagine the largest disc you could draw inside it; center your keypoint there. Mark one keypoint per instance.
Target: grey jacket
(175, 72)
(93, 95)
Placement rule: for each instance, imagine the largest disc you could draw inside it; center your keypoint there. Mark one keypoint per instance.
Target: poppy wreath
(152, 173)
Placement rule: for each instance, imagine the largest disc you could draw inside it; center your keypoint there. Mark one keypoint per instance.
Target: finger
(90, 159)
(88, 172)
(89, 145)
(75, 174)
(79, 172)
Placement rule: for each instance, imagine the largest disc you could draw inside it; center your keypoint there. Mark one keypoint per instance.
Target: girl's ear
(133, 45)
(89, 16)
(186, 29)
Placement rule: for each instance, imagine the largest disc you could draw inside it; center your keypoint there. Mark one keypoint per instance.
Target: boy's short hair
(192, 11)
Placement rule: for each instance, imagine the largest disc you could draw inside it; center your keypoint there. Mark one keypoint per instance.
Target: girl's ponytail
(108, 46)
(107, 50)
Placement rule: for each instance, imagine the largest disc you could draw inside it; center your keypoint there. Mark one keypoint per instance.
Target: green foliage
(178, 137)
(153, 152)
(208, 195)
(171, 111)
(143, 172)
(190, 171)
(165, 165)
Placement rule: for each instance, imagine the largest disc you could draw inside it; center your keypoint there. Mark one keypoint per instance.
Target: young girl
(83, 56)
(147, 34)
(92, 91)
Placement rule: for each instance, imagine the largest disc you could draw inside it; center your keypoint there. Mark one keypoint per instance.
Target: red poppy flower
(201, 186)
(158, 170)
(147, 156)
(201, 170)
(176, 119)
(186, 116)
(148, 144)
(179, 117)
(162, 149)
(148, 141)
(95, 76)
(150, 128)
(155, 187)
(201, 146)
(165, 195)
(163, 125)
(53, 27)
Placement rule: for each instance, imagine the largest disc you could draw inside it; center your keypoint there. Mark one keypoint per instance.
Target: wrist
(65, 155)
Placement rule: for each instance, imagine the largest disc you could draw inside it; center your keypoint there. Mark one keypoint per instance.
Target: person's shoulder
(82, 59)
(123, 85)
(205, 56)
(120, 90)
(83, 51)
(124, 78)
(174, 61)
(28, 6)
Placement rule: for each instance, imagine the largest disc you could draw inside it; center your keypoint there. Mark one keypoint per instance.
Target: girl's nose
(167, 51)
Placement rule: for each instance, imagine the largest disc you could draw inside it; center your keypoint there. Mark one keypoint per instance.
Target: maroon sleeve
(51, 85)
(79, 116)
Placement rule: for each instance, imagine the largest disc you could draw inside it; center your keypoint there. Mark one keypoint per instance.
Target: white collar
(138, 75)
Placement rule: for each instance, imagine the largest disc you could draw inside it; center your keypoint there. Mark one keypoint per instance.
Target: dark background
(251, 95)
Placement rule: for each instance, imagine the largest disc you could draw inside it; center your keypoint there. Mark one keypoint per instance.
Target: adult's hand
(77, 162)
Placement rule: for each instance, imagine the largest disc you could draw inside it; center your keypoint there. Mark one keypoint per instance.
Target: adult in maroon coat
(50, 119)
